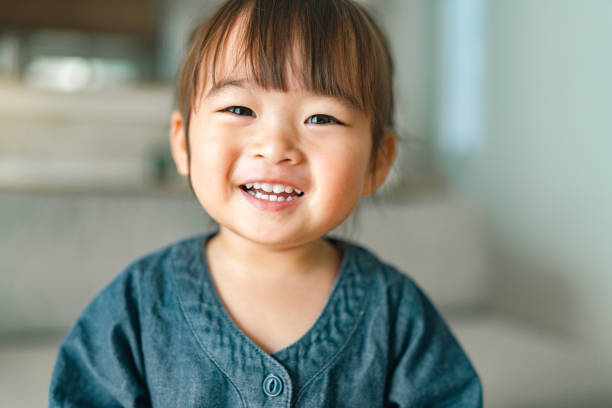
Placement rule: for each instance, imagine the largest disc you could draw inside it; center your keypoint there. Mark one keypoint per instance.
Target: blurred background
(499, 205)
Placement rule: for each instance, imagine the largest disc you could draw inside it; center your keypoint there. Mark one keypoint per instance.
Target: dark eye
(323, 120)
(240, 110)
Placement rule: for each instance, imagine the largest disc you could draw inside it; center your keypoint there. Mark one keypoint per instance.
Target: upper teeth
(273, 188)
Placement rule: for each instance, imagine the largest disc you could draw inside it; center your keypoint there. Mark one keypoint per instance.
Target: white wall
(543, 171)
(177, 19)
(407, 25)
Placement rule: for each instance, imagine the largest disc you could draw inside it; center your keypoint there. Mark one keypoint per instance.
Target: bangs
(327, 47)
(307, 42)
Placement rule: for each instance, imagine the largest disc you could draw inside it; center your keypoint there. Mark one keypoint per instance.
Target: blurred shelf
(111, 141)
(100, 190)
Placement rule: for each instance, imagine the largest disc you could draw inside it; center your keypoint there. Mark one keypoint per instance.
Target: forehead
(243, 83)
(233, 60)
(280, 59)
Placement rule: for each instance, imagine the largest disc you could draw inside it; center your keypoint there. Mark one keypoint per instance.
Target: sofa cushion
(58, 250)
(439, 242)
(523, 365)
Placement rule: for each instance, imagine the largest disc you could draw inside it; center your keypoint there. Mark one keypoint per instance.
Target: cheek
(343, 173)
(350, 162)
(211, 159)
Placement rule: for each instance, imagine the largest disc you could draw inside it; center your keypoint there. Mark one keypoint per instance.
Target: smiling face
(276, 167)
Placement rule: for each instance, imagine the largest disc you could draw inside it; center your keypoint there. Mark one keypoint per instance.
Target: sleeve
(99, 363)
(431, 369)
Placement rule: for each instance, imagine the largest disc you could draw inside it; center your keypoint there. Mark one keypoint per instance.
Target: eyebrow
(347, 100)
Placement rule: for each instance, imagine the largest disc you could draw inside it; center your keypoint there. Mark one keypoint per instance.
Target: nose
(277, 144)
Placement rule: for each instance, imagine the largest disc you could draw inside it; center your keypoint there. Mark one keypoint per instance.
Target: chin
(276, 239)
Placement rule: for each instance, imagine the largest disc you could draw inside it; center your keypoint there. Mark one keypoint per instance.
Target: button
(272, 385)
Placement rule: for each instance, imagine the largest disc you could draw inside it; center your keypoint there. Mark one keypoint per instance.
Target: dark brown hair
(339, 49)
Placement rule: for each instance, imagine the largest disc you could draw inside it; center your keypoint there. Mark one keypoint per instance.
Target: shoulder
(166, 258)
(398, 303)
(145, 281)
(423, 353)
(160, 264)
(102, 357)
(134, 297)
(393, 285)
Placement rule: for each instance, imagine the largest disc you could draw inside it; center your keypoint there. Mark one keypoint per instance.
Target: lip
(273, 181)
(266, 205)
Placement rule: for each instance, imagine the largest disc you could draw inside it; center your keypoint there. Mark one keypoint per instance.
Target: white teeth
(270, 197)
(272, 188)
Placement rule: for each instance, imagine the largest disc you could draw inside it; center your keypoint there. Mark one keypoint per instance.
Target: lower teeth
(270, 197)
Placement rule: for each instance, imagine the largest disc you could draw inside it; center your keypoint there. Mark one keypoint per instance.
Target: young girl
(284, 122)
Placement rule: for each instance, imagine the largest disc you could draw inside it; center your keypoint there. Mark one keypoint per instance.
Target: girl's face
(279, 169)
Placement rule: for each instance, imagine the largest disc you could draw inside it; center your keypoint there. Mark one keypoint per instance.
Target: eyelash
(328, 120)
(234, 109)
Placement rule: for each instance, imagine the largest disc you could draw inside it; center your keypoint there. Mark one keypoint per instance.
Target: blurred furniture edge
(113, 140)
(442, 244)
(57, 251)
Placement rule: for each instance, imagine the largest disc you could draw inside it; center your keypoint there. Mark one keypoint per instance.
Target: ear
(384, 160)
(178, 143)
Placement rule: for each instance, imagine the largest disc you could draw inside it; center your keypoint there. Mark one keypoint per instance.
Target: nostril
(277, 153)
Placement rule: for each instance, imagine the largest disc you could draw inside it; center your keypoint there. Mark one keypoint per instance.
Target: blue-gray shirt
(159, 335)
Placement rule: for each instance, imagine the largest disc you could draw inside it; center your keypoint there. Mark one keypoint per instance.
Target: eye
(321, 119)
(240, 111)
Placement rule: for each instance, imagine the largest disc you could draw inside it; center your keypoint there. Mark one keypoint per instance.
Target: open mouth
(272, 192)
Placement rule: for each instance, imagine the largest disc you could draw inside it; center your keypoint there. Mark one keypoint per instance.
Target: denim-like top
(158, 335)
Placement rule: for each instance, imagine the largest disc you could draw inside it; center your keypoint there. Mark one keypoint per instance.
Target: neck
(249, 260)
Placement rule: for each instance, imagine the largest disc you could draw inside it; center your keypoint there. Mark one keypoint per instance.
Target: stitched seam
(394, 281)
(334, 357)
(190, 324)
(337, 354)
(248, 341)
